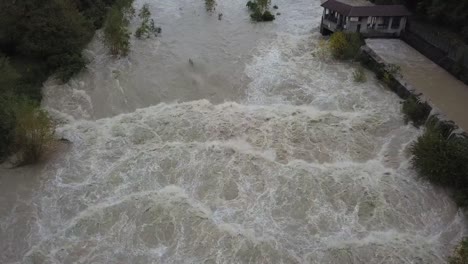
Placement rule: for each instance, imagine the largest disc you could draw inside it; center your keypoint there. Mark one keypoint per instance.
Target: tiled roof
(356, 11)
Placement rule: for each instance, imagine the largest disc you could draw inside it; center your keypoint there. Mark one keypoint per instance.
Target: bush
(116, 34)
(67, 65)
(259, 10)
(8, 75)
(267, 16)
(460, 255)
(345, 46)
(210, 5)
(147, 27)
(33, 131)
(441, 157)
(338, 44)
(415, 111)
(253, 6)
(256, 15)
(359, 75)
(7, 123)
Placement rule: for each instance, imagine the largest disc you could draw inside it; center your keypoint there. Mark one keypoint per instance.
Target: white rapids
(299, 165)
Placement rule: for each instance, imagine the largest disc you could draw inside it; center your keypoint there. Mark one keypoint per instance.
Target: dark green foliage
(259, 10)
(460, 255)
(267, 16)
(40, 38)
(7, 124)
(415, 111)
(147, 27)
(210, 5)
(9, 78)
(453, 13)
(66, 64)
(55, 29)
(116, 34)
(95, 11)
(256, 15)
(8, 75)
(442, 158)
(49, 35)
(253, 6)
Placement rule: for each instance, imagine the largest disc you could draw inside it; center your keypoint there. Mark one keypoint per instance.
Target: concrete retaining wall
(404, 90)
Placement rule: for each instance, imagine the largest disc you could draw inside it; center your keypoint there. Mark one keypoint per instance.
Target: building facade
(363, 17)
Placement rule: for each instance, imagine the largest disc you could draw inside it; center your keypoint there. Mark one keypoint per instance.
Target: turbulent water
(261, 152)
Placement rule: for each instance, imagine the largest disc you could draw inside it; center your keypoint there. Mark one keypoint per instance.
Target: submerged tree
(259, 9)
(116, 34)
(210, 5)
(147, 26)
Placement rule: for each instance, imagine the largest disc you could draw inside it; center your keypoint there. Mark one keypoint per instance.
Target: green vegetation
(259, 10)
(25, 129)
(33, 131)
(116, 34)
(40, 38)
(210, 5)
(345, 46)
(460, 255)
(147, 27)
(359, 75)
(415, 111)
(442, 158)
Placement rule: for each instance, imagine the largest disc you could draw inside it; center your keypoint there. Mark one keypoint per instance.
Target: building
(363, 17)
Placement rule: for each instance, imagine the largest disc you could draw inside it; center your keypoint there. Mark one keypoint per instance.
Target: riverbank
(260, 151)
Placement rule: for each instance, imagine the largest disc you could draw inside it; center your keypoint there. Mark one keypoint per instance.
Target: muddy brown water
(261, 152)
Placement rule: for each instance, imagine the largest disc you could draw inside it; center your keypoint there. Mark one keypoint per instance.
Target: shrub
(359, 75)
(7, 123)
(8, 75)
(147, 27)
(441, 157)
(116, 34)
(460, 255)
(345, 46)
(210, 5)
(259, 10)
(263, 4)
(415, 111)
(267, 16)
(253, 6)
(256, 15)
(67, 65)
(33, 131)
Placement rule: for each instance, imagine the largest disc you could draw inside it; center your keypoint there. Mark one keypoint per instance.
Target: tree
(147, 27)
(116, 34)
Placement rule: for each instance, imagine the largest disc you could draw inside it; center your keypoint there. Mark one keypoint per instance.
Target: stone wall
(404, 90)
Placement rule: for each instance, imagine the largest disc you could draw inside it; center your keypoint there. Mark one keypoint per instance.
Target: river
(262, 151)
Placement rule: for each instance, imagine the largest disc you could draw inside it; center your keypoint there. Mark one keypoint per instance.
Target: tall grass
(415, 111)
(442, 158)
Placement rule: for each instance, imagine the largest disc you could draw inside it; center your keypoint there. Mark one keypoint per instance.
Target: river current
(262, 151)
